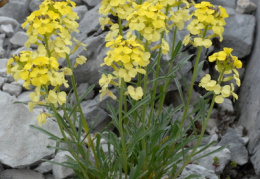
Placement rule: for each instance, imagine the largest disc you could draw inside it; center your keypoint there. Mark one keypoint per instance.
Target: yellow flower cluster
(148, 19)
(120, 8)
(206, 18)
(49, 28)
(127, 57)
(226, 63)
(54, 17)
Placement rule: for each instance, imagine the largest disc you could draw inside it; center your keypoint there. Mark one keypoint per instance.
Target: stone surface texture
(21, 145)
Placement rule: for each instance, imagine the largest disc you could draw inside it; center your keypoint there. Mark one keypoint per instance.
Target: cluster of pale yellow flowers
(207, 18)
(49, 28)
(127, 55)
(226, 64)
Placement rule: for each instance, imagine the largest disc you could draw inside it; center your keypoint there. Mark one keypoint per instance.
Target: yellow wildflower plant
(226, 63)
(206, 18)
(50, 29)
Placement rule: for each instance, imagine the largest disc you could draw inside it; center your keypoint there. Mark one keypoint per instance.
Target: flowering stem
(186, 162)
(120, 26)
(202, 131)
(156, 80)
(84, 122)
(121, 130)
(167, 81)
(194, 75)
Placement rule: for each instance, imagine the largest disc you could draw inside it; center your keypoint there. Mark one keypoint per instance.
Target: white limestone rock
(239, 33)
(193, 169)
(207, 162)
(235, 144)
(16, 9)
(7, 29)
(245, 6)
(61, 172)
(19, 38)
(12, 89)
(21, 145)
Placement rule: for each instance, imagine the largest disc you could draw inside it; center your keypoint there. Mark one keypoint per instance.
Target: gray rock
(2, 81)
(239, 33)
(30, 144)
(2, 51)
(3, 63)
(19, 38)
(249, 101)
(255, 159)
(24, 96)
(81, 89)
(81, 11)
(34, 5)
(95, 53)
(49, 176)
(96, 117)
(235, 144)
(7, 20)
(207, 162)
(16, 9)
(245, 6)
(7, 29)
(226, 106)
(224, 3)
(12, 89)
(20, 174)
(89, 24)
(61, 172)
(193, 169)
(44, 167)
(92, 2)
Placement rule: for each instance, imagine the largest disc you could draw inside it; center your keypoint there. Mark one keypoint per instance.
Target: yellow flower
(135, 93)
(80, 61)
(202, 42)
(41, 118)
(54, 97)
(165, 47)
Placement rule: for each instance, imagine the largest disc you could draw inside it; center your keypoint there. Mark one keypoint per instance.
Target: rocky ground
(236, 125)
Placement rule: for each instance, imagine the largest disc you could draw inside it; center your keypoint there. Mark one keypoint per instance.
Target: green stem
(84, 122)
(158, 65)
(167, 81)
(58, 119)
(194, 75)
(120, 26)
(121, 130)
(202, 131)
(198, 141)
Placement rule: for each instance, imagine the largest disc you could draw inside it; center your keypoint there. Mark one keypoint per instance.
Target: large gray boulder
(236, 145)
(21, 145)
(239, 33)
(16, 9)
(249, 102)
